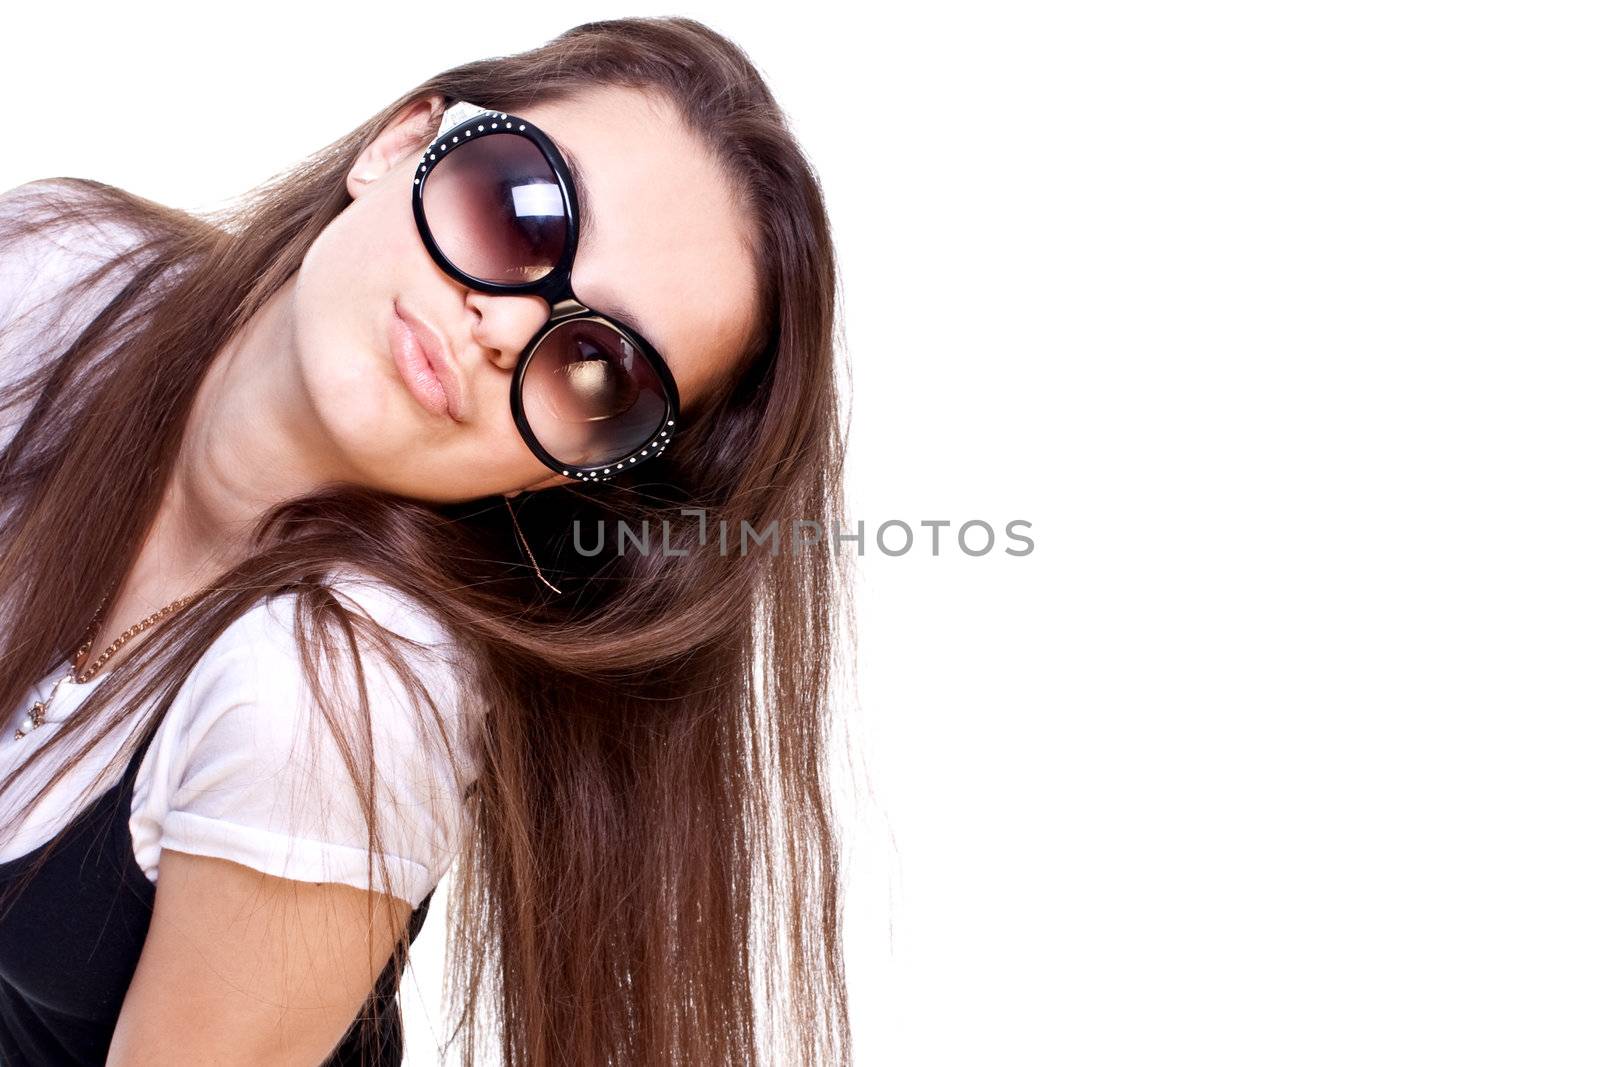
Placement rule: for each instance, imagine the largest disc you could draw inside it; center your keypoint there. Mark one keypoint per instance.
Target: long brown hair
(651, 870)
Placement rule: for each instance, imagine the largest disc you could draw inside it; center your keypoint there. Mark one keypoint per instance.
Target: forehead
(663, 236)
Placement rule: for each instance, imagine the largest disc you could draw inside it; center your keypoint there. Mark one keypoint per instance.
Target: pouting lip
(439, 358)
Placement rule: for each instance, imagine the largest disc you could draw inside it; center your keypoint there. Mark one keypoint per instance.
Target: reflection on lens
(495, 210)
(590, 395)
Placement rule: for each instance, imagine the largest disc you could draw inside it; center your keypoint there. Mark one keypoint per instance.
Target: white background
(1278, 323)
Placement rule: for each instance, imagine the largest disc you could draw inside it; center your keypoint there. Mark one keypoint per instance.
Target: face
(662, 238)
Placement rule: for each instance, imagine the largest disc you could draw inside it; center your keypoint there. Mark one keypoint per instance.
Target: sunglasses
(497, 209)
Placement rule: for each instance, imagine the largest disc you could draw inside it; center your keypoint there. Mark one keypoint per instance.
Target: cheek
(384, 439)
(497, 453)
(353, 393)
(340, 314)
(360, 261)
(342, 306)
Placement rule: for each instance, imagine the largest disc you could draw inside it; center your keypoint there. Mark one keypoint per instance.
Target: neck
(251, 441)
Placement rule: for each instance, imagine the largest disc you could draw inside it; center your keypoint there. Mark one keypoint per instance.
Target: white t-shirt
(243, 767)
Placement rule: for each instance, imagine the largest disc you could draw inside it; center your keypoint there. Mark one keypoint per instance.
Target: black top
(69, 944)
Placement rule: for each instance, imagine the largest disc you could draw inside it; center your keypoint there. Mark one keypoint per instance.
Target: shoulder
(45, 244)
(58, 268)
(260, 659)
(270, 625)
(46, 209)
(260, 771)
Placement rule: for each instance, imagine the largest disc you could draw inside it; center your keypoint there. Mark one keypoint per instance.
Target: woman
(304, 664)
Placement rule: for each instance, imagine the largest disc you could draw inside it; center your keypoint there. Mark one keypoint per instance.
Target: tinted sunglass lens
(590, 394)
(495, 210)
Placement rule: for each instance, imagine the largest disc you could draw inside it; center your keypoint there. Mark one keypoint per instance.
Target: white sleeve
(260, 779)
(36, 267)
(27, 264)
(35, 271)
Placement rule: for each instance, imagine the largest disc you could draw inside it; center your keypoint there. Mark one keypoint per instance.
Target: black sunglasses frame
(555, 287)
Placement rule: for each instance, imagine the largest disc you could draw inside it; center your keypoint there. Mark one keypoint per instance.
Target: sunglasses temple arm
(458, 113)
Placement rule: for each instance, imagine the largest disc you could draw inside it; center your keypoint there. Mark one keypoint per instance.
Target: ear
(399, 143)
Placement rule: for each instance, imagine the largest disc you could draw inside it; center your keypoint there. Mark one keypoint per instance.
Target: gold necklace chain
(82, 675)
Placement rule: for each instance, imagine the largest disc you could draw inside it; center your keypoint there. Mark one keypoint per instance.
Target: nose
(505, 324)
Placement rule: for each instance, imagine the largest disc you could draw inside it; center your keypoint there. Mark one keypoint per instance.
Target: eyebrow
(621, 312)
(579, 186)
